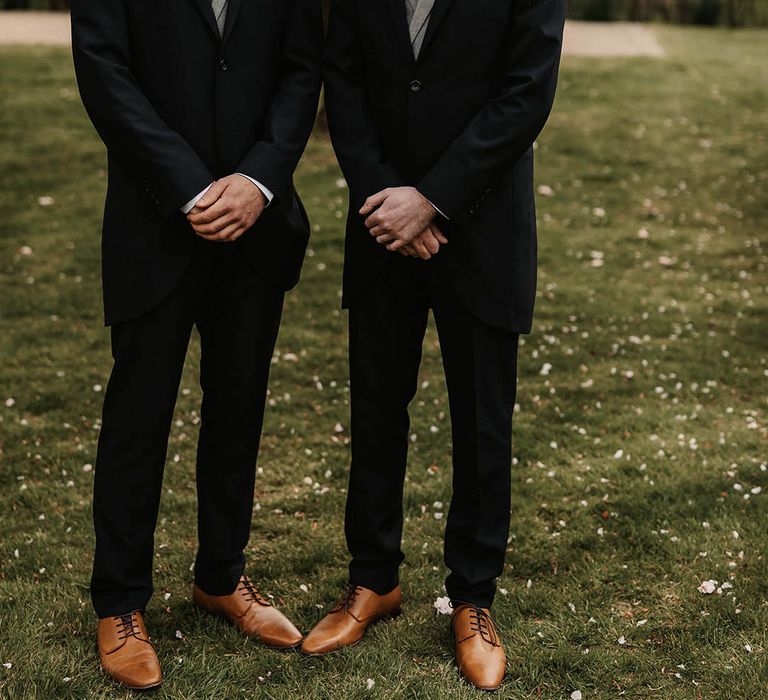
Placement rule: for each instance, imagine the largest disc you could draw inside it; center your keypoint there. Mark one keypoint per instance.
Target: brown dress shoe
(126, 653)
(346, 624)
(479, 654)
(252, 614)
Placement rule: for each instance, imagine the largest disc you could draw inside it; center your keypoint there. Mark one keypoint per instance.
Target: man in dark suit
(205, 107)
(434, 106)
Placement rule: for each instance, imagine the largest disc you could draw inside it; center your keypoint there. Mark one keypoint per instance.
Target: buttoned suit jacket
(458, 123)
(179, 106)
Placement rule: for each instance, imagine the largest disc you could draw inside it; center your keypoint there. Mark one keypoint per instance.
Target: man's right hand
(425, 245)
(228, 209)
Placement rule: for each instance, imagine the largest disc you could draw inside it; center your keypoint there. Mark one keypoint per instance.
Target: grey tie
(220, 12)
(418, 12)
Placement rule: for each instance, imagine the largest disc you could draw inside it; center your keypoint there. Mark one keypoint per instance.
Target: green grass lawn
(640, 436)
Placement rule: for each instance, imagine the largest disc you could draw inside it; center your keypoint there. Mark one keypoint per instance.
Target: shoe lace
(249, 592)
(127, 625)
(348, 599)
(481, 623)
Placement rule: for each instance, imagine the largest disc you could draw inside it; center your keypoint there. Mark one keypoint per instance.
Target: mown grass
(640, 436)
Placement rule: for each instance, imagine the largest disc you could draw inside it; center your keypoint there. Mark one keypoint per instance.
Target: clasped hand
(403, 220)
(228, 209)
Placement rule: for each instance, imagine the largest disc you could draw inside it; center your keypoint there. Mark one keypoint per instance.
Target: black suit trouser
(237, 315)
(387, 326)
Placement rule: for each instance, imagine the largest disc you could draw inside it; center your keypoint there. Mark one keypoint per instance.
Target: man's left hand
(397, 215)
(426, 245)
(231, 207)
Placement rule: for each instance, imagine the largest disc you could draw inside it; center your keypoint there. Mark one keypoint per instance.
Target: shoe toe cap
(139, 674)
(276, 630)
(319, 643)
(484, 671)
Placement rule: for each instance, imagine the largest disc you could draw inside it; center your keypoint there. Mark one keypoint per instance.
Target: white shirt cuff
(265, 190)
(190, 205)
(438, 211)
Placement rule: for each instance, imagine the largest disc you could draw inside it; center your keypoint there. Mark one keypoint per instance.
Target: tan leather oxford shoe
(252, 614)
(126, 652)
(479, 654)
(346, 624)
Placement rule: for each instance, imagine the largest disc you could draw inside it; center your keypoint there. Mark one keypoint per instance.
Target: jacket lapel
(232, 9)
(402, 34)
(205, 7)
(438, 15)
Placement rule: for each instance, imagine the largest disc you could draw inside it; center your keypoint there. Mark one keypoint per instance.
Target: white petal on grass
(708, 587)
(370, 683)
(576, 695)
(443, 606)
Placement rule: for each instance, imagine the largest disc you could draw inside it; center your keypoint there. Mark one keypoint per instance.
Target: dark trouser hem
(381, 580)
(481, 596)
(115, 605)
(219, 580)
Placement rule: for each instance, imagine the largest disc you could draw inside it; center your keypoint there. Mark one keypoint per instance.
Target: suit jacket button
(415, 85)
(223, 66)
